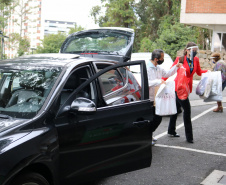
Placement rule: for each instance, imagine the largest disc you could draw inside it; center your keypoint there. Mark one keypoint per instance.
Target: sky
(70, 10)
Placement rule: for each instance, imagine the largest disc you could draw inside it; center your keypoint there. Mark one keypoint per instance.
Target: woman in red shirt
(191, 64)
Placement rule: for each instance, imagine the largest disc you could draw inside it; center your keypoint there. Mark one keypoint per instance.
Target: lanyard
(190, 63)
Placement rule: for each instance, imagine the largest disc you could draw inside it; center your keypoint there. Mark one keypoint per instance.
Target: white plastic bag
(216, 90)
(204, 87)
(200, 89)
(165, 99)
(216, 76)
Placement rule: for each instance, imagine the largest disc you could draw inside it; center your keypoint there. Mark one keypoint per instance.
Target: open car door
(105, 134)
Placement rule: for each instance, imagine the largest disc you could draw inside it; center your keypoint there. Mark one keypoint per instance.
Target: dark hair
(189, 44)
(156, 54)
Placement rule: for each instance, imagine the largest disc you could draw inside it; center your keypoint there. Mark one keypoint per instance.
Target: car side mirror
(83, 105)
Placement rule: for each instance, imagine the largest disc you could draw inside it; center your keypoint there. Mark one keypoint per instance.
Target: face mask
(194, 53)
(159, 62)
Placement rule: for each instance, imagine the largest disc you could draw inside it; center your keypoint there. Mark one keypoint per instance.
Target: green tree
(146, 45)
(23, 11)
(6, 9)
(5, 12)
(152, 12)
(13, 41)
(51, 43)
(174, 38)
(203, 35)
(153, 21)
(24, 45)
(75, 29)
(118, 13)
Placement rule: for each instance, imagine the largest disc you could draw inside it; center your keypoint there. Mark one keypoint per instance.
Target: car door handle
(141, 123)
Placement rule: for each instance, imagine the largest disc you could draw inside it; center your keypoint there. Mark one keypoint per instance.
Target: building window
(218, 41)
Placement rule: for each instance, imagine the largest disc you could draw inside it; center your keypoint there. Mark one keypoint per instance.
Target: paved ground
(176, 162)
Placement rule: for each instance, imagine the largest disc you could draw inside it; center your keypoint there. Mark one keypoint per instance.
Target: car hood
(7, 123)
(8, 134)
(104, 43)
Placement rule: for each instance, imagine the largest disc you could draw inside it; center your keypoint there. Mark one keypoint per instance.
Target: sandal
(218, 109)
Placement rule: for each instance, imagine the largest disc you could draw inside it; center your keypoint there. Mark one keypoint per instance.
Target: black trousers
(156, 121)
(185, 104)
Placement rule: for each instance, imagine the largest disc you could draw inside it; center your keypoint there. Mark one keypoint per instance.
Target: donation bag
(216, 89)
(182, 87)
(204, 87)
(165, 99)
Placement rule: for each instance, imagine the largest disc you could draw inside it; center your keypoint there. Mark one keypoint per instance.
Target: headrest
(73, 82)
(30, 81)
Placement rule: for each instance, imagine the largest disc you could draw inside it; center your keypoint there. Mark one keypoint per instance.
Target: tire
(29, 178)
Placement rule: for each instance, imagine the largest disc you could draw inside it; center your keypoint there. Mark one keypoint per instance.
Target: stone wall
(204, 60)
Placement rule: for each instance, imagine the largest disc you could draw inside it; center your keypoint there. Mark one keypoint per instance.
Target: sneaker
(174, 135)
(154, 139)
(152, 143)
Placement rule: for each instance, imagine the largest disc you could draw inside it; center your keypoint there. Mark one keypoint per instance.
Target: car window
(98, 42)
(111, 81)
(78, 77)
(23, 92)
(119, 86)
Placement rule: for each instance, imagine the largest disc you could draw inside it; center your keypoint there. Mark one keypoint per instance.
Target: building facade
(26, 21)
(210, 14)
(53, 27)
(29, 21)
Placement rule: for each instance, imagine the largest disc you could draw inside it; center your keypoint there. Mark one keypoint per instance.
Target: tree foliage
(76, 29)
(119, 13)
(5, 12)
(24, 45)
(51, 43)
(23, 11)
(174, 38)
(156, 24)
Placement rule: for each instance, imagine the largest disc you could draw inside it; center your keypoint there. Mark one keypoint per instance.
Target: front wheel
(30, 178)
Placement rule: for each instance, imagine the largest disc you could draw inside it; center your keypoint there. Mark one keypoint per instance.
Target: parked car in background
(147, 56)
(67, 119)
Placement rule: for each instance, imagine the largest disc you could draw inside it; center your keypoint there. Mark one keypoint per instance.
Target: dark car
(67, 119)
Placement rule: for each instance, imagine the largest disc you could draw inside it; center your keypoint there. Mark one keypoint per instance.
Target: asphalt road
(176, 162)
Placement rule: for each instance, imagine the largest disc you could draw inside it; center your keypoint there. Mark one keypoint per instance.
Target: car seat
(31, 88)
(72, 83)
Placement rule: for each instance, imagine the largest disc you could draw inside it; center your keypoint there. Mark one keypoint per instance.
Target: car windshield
(24, 91)
(104, 42)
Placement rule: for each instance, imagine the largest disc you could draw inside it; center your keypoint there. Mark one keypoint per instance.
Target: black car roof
(53, 59)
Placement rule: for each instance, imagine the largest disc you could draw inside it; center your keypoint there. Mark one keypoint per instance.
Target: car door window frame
(125, 82)
(145, 89)
(73, 93)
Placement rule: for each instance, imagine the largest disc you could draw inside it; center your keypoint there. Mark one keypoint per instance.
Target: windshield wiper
(3, 116)
(72, 52)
